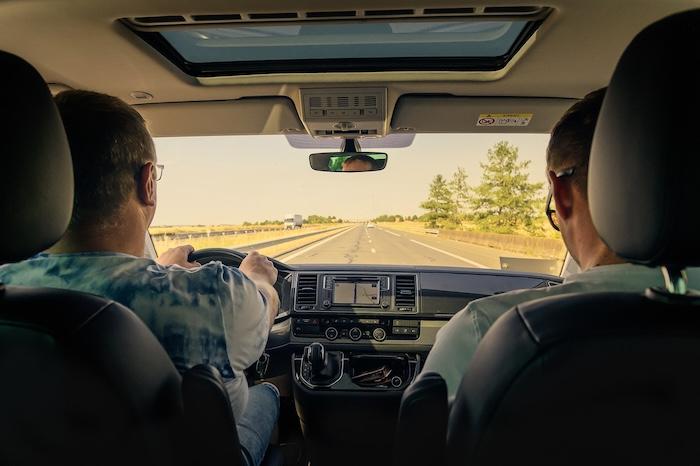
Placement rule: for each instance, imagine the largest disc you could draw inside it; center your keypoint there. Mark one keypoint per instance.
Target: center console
(358, 342)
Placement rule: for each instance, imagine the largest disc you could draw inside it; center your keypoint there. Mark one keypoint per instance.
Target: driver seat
(84, 381)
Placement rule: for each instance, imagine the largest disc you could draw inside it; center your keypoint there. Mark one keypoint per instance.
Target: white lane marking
(315, 245)
(475, 264)
(391, 233)
(374, 251)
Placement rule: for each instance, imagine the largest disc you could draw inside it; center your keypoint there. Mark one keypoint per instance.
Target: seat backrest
(609, 378)
(582, 379)
(422, 425)
(83, 381)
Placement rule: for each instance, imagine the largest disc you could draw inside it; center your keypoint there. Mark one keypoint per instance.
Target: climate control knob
(331, 333)
(355, 334)
(379, 334)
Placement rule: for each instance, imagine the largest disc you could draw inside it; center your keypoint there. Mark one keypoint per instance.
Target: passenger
(567, 169)
(359, 163)
(212, 313)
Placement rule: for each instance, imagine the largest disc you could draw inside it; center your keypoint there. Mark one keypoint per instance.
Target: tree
(505, 201)
(440, 204)
(460, 193)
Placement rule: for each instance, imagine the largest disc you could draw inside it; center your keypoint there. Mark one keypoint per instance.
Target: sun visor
(456, 114)
(260, 115)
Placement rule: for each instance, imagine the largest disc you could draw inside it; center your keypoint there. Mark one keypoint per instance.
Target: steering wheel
(233, 258)
(229, 257)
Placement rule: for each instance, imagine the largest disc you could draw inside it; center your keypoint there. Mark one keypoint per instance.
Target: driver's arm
(261, 272)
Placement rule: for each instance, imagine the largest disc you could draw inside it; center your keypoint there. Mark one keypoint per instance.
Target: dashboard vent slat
(160, 19)
(331, 14)
(289, 15)
(307, 289)
(217, 17)
(404, 12)
(406, 291)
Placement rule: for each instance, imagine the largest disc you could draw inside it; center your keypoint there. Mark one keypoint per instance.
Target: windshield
(462, 200)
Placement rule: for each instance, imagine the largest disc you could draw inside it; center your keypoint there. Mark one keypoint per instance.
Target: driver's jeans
(258, 421)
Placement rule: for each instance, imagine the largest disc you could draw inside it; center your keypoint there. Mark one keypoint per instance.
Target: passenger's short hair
(572, 137)
(109, 143)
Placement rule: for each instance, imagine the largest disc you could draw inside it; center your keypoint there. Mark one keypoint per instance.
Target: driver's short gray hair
(109, 144)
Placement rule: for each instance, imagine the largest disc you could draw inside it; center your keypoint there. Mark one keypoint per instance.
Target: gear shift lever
(319, 367)
(318, 358)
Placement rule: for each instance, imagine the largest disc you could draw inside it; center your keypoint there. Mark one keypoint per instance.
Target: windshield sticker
(504, 119)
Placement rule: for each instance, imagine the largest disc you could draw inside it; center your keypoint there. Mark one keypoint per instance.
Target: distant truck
(293, 221)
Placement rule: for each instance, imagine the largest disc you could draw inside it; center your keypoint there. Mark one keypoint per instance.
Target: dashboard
(387, 307)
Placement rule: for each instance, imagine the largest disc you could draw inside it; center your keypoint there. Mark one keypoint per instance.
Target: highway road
(362, 245)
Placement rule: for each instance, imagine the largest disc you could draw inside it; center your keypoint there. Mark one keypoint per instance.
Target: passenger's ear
(146, 184)
(563, 194)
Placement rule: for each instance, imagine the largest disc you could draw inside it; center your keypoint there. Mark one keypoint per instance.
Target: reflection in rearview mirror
(348, 161)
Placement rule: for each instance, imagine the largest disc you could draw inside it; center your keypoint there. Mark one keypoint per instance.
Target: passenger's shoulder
(493, 307)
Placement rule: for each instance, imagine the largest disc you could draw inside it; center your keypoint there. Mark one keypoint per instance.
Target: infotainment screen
(363, 293)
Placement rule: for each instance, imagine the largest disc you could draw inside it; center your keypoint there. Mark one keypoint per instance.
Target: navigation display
(366, 293)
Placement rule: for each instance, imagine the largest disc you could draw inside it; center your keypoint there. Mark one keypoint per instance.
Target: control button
(379, 334)
(370, 111)
(406, 323)
(326, 303)
(396, 381)
(331, 113)
(316, 113)
(385, 303)
(331, 333)
(355, 334)
(412, 331)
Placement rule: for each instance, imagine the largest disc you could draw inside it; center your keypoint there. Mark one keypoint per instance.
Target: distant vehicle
(293, 221)
(370, 225)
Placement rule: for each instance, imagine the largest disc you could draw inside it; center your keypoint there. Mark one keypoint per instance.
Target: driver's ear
(146, 184)
(562, 192)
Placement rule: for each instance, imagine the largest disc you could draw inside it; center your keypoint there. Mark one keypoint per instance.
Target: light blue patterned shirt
(212, 314)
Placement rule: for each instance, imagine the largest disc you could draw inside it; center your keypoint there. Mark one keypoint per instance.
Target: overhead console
(352, 112)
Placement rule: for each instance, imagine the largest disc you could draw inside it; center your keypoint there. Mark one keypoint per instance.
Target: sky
(231, 179)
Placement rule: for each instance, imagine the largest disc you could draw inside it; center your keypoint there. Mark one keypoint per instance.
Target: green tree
(460, 194)
(505, 201)
(440, 204)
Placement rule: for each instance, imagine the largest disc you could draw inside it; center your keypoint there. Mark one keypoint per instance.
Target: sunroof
(467, 43)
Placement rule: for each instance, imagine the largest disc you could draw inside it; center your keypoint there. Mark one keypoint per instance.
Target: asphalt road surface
(362, 245)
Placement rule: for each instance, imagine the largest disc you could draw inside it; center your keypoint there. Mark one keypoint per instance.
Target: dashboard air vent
(331, 14)
(220, 17)
(160, 19)
(406, 291)
(307, 287)
(511, 10)
(289, 15)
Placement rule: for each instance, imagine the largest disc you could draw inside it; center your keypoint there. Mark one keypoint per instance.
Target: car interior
(582, 378)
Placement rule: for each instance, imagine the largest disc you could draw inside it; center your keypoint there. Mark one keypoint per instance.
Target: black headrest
(644, 176)
(36, 178)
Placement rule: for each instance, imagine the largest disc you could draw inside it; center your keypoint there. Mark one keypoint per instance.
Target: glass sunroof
(459, 38)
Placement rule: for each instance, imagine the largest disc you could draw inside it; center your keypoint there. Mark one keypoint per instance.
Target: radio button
(331, 333)
(379, 334)
(355, 334)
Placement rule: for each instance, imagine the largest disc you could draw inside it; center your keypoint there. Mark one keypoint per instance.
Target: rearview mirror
(348, 161)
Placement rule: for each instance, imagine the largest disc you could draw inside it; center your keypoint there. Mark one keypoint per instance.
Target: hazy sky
(231, 179)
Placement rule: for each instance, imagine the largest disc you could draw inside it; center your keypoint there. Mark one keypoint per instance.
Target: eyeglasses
(159, 171)
(549, 210)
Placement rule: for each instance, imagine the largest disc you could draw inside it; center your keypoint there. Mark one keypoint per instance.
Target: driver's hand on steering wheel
(258, 267)
(178, 256)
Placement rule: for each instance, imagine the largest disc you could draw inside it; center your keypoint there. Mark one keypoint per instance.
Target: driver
(201, 314)
(358, 163)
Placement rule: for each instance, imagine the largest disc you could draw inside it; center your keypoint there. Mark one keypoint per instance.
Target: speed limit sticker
(504, 119)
